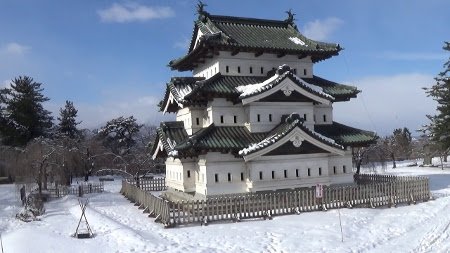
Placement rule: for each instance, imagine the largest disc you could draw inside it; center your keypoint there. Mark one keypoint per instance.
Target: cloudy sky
(110, 57)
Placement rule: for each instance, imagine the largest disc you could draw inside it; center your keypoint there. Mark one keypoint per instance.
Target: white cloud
(122, 13)
(322, 29)
(388, 102)
(409, 56)
(14, 48)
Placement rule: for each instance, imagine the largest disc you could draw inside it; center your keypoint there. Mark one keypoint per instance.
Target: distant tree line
(34, 148)
(434, 139)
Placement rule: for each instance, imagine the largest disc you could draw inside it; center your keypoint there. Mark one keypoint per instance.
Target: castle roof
(238, 140)
(186, 91)
(346, 135)
(238, 34)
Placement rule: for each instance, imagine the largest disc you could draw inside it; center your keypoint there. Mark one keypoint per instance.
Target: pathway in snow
(122, 227)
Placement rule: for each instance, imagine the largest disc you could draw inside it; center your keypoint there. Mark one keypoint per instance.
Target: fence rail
(146, 184)
(371, 178)
(61, 191)
(155, 206)
(382, 191)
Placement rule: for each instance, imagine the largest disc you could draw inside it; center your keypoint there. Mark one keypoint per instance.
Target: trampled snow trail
(120, 226)
(438, 231)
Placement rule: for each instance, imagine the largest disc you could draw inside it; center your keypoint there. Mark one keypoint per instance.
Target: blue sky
(110, 57)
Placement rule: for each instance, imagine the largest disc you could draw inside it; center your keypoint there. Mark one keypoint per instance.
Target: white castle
(254, 117)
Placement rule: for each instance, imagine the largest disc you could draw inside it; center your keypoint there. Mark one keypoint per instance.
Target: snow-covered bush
(34, 207)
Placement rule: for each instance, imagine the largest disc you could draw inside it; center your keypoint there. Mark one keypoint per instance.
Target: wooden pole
(1, 242)
(340, 224)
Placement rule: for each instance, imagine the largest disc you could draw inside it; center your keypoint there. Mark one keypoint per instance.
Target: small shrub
(34, 207)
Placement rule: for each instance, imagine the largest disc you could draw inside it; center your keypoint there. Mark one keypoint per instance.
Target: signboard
(319, 190)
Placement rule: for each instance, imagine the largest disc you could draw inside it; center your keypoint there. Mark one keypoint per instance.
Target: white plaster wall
(200, 184)
(247, 60)
(222, 164)
(277, 110)
(221, 107)
(184, 115)
(208, 69)
(174, 173)
(341, 176)
(321, 110)
(177, 176)
(267, 61)
(302, 163)
(267, 164)
(189, 116)
(189, 182)
(205, 167)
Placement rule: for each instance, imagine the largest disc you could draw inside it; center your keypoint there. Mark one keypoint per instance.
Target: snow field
(122, 227)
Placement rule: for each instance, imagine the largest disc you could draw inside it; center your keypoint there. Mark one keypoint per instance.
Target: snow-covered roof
(281, 74)
(291, 122)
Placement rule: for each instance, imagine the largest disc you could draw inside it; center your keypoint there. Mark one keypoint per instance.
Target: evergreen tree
(402, 141)
(439, 127)
(120, 134)
(23, 116)
(67, 121)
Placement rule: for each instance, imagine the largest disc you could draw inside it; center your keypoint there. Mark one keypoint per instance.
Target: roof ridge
(229, 19)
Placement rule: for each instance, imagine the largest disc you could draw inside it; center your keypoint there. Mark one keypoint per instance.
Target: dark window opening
(304, 116)
(197, 121)
(262, 70)
(324, 118)
(309, 172)
(314, 118)
(334, 169)
(304, 72)
(235, 119)
(221, 118)
(251, 70)
(216, 177)
(296, 172)
(239, 69)
(270, 117)
(260, 175)
(227, 69)
(229, 177)
(285, 173)
(242, 176)
(273, 174)
(259, 117)
(188, 173)
(320, 171)
(344, 169)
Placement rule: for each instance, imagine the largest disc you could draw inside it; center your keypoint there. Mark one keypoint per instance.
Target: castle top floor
(259, 44)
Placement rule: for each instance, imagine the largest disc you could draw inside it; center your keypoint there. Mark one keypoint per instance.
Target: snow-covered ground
(121, 227)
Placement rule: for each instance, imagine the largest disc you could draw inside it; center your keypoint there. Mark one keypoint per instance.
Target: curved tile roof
(346, 135)
(240, 141)
(226, 87)
(250, 35)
